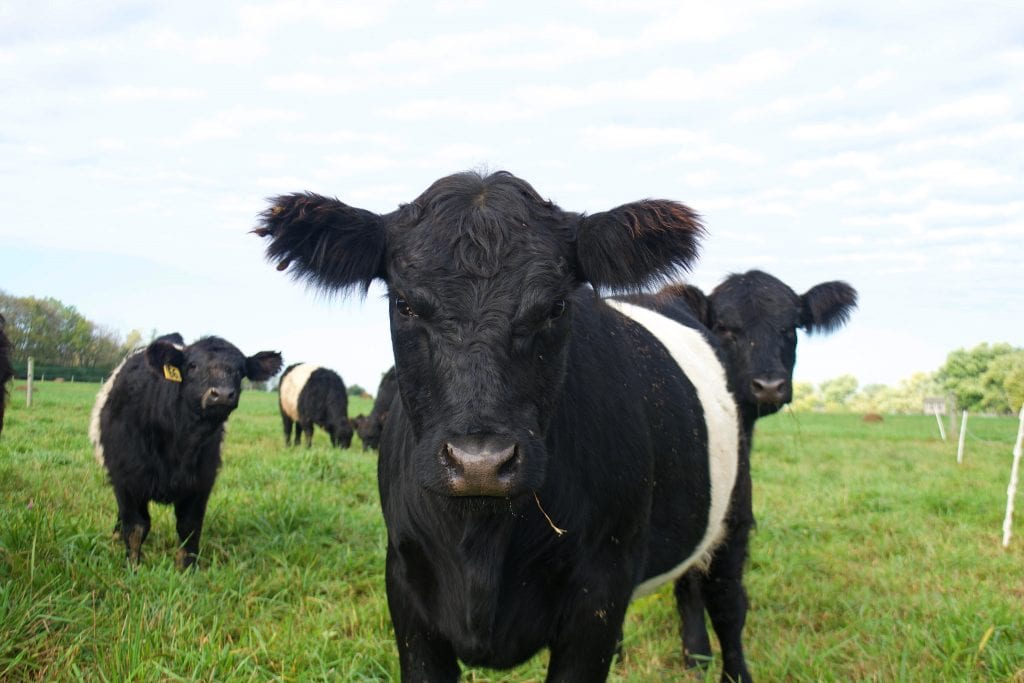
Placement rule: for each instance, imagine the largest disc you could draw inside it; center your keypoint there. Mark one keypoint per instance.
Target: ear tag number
(172, 373)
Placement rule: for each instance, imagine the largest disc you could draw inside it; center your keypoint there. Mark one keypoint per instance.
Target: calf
(551, 455)
(157, 427)
(755, 316)
(6, 371)
(369, 427)
(309, 394)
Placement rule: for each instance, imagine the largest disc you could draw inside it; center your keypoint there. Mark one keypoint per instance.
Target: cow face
(756, 317)
(210, 371)
(483, 277)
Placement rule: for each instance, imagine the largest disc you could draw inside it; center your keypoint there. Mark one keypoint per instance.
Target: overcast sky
(881, 143)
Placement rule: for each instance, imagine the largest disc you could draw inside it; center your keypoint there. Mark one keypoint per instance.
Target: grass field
(877, 558)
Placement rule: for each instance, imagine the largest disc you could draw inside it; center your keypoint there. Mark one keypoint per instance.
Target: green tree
(805, 398)
(837, 392)
(966, 374)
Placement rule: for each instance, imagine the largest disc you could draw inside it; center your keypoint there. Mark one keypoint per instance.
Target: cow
(309, 394)
(369, 427)
(755, 316)
(551, 455)
(157, 426)
(6, 371)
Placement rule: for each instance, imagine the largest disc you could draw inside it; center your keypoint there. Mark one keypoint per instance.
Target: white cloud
(137, 93)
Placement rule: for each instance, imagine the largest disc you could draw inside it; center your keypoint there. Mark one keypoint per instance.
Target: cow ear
(695, 299)
(262, 366)
(164, 352)
(328, 244)
(826, 307)
(637, 244)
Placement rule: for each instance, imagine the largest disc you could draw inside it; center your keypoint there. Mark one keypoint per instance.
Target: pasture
(877, 558)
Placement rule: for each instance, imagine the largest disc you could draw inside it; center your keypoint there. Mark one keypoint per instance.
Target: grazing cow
(369, 427)
(157, 427)
(309, 394)
(552, 455)
(755, 316)
(6, 371)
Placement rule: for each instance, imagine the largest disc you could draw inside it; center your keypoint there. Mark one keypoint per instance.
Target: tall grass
(876, 558)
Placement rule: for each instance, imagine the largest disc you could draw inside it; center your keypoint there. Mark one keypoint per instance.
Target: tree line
(54, 333)
(988, 378)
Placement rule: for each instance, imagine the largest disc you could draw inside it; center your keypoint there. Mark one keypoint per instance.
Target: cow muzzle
(482, 465)
(769, 390)
(221, 398)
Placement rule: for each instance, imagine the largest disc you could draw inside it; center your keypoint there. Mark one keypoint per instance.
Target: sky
(879, 143)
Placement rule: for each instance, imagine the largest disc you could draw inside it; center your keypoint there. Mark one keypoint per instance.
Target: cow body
(6, 371)
(369, 427)
(312, 395)
(157, 426)
(755, 316)
(550, 455)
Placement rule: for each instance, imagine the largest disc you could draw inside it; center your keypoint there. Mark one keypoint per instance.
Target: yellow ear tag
(172, 373)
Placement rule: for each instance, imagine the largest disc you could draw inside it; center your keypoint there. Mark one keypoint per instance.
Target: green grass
(877, 558)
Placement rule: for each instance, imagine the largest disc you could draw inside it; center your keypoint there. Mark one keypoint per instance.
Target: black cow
(309, 394)
(552, 455)
(157, 427)
(369, 427)
(6, 371)
(756, 316)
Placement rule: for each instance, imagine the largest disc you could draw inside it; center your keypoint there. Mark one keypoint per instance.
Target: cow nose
(220, 396)
(768, 390)
(481, 465)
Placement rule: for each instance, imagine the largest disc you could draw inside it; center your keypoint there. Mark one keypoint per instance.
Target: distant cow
(6, 371)
(312, 395)
(370, 426)
(157, 427)
(552, 456)
(756, 316)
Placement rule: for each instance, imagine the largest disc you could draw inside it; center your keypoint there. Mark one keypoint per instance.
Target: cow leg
(189, 513)
(423, 655)
(308, 430)
(690, 605)
(133, 522)
(586, 644)
(287, 422)
(725, 596)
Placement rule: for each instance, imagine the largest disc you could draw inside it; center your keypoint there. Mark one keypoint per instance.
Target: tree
(355, 390)
(837, 392)
(805, 398)
(976, 376)
(57, 334)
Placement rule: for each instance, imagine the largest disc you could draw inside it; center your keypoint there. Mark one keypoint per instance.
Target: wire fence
(62, 372)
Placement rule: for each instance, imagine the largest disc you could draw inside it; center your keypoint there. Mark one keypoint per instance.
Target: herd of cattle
(546, 453)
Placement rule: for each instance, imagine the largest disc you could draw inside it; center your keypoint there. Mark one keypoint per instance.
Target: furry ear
(695, 299)
(332, 245)
(262, 366)
(637, 244)
(164, 351)
(827, 307)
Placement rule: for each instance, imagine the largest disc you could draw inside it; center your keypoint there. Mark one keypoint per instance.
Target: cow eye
(557, 309)
(192, 367)
(403, 308)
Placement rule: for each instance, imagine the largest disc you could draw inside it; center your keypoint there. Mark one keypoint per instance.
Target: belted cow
(552, 455)
(756, 317)
(157, 426)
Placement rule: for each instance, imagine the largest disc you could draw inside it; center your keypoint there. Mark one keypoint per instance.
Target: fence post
(963, 435)
(1011, 490)
(938, 420)
(28, 377)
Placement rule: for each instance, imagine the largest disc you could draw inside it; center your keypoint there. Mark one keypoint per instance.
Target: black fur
(755, 316)
(6, 371)
(511, 421)
(161, 438)
(322, 401)
(369, 427)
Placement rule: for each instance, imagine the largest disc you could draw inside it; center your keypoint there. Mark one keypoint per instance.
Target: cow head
(483, 276)
(210, 371)
(756, 316)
